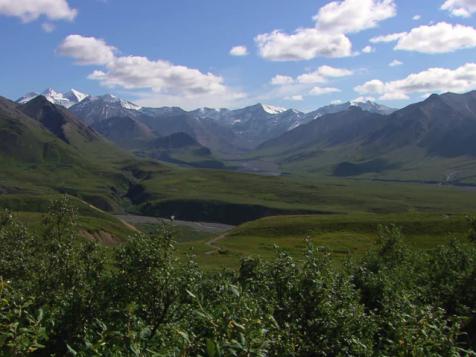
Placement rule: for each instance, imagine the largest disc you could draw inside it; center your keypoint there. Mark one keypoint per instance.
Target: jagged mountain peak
(112, 99)
(271, 109)
(67, 99)
(75, 95)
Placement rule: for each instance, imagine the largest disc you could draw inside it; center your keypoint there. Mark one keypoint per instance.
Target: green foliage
(472, 231)
(20, 331)
(63, 295)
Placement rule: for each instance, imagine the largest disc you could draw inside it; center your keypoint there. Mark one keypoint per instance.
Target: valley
(338, 161)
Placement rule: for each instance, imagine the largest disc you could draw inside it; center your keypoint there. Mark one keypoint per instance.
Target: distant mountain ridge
(241, 129)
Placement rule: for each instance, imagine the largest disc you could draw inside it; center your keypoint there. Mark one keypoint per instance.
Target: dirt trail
(212, 243)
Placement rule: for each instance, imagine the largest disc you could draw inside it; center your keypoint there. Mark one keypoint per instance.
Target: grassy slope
(344, 235)
(410, 163)
(32, 209)
(335, 196)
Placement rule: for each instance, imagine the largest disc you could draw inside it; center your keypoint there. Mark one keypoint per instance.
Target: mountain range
(222, 130)
(431, 140)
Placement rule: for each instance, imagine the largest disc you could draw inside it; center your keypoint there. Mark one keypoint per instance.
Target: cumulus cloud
(323, 90)
(416, 17)
(362, 99)
(328, 37)
(322, 74)
(295, 98)
(387, 38)
(303, 44)
(304, 84)
(350, 16)
(87, 50)
(140, 73)
(280, 79)
(30, 10)
(368, 49)
(395, 63)
(437, 38)
(462, 8)
(239, 51)
(434, 80)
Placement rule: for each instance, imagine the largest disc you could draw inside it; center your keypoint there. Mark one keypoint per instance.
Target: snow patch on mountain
(270, 109)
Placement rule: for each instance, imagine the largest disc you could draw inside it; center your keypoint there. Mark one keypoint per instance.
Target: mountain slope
(182, 149)
(341, 128)
(51, 152)
(24, 139)
(93, 110)
(434, 140)
(207, 132)
(444, 125)
(65, 126)
(336, 108)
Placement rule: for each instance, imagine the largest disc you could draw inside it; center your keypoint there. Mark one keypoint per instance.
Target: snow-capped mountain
(254, 124)
(67, 99)
(336, 108)
(270, 109)
(75, 96)
(244, 128)
(95, 109)
(27, 97)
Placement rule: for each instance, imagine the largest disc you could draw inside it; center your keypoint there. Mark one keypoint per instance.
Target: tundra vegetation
(61, 294)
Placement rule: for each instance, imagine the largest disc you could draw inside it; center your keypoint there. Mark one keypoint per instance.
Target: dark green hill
(50, 152)
(24, 139)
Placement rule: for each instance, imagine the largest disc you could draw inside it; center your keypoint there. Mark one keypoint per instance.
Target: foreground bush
(60, 295)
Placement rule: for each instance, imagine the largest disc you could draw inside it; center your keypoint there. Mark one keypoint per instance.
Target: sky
(299, 54)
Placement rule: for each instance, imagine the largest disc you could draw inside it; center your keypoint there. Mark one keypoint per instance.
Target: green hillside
(345, 236)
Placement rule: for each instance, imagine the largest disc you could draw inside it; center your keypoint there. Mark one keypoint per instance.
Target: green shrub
(61, 294)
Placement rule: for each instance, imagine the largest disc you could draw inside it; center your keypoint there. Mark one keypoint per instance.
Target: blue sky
(301, 54)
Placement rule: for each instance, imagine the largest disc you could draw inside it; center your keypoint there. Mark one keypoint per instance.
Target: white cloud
(337, 101)
(48, 26)
(169, 82)
(303, 44)
(368, 49)
(416, 17)
(239, 51)
(387, 38)
(328, 37)
(462, 8)
(395, 63)
(322, 74)
(350, 16)
(87, 50)
(363, 99)
(30, 10)
(437, 38)
(323, 90)
(279, 80)
(432, 80)
(296, 98)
